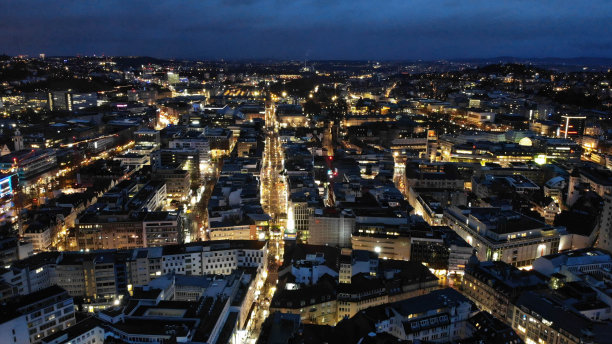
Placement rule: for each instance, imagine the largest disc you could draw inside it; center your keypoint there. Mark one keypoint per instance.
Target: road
(399, 174)
(274, 202)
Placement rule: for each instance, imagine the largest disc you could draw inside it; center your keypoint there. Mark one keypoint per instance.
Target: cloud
(358, 29)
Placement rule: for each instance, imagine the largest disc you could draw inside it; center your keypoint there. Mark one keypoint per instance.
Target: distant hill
(137, 61)
(574, 63)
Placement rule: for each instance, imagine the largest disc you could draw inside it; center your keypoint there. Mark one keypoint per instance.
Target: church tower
(18, 141)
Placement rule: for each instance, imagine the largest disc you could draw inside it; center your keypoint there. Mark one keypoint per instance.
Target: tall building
(572, 126)
(69, 101)
(172, 78)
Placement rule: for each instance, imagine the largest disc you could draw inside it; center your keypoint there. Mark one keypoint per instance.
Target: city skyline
(257, 172)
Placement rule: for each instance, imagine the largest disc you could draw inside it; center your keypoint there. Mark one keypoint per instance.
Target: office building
(504, 235)
(572, 126)
(28, 164)
(330, 226)
(69, 101)
(29, 318)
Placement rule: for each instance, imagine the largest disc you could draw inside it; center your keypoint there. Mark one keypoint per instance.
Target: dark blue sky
(314, 29)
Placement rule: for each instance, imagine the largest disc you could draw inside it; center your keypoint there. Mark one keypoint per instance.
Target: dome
(473, 259)
(525, 141)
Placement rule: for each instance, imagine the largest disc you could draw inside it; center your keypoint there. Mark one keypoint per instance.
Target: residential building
(495, 286)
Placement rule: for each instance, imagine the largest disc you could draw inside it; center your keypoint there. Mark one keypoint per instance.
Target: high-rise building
(572, 126)
(173, 78)
(65, 100)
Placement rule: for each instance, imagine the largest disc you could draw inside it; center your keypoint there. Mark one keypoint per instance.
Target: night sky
(312, 29)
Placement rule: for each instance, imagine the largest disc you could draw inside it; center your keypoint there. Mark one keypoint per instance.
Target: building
(151, 197)
(29, 318)
(585, 261)
(112, 231)
(440, 249)
(173, 308)
(388, 241)
(433, 176)
(177, 181)
(572, 126)
(586, 178)
(604, 240)
(6, 185)
(300, 207)
(315, 303)
(330, 227)
(504, 235)
(162, 228)
(186, 157)
(479, 119)
(440, 316)
(29, 163)
(99, 278)
(11, 249)
(221, 141)
(244, 229)
(148, 136)
(389, 281)
(200, 144)
(539, 318)
(41, 236)
(69, 101)
(495, 286)
(17, 141)
(133, 160)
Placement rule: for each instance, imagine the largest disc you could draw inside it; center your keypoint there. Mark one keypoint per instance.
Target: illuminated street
(274, 202)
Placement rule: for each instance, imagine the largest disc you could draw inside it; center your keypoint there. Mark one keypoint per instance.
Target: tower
(18, 140)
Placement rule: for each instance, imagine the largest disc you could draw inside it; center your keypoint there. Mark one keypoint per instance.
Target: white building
(439, 317)
(37, 315)
(504, 235)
